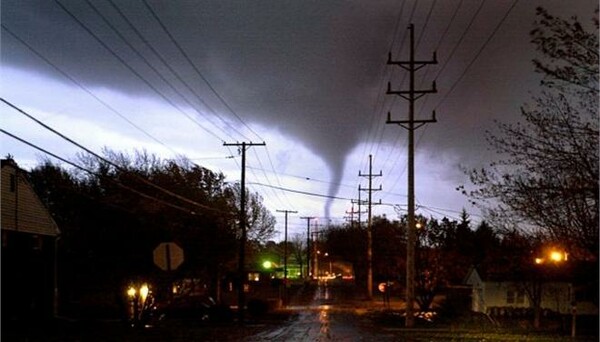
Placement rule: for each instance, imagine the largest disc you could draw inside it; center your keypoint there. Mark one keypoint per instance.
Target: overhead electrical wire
(168, 204)
(381, 130)
(460, 40)
(301, 192)
(193, 65)
(136, 73)
(375, 120)
(463, 35)
(506, 14)
(170, 68)
(267, 178)
(291, 205)
(142, 179)
(424, 28)
(84, 88)
(142, 78)
(147, 62)
(308, 178)
(442, 37)
(197, 71)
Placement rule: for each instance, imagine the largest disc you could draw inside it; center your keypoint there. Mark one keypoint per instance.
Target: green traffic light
(267, 264)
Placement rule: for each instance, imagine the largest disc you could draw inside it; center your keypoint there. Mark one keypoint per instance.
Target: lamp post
(554, 258)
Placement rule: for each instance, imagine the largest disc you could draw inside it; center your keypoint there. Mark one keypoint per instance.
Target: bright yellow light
(419, 225)
(267, 264)
(144, 291)
(539, 261)
(557, 256)
(131, 291)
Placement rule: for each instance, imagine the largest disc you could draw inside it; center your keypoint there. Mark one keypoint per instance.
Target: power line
(301, 192)
(426, 22)
(382, 83)
(277, 176)
(171, 69)
(98, 175)
(84, 88)
(130, 68)
(478, 52)
(460, 40)
(147, 62)
(145, 181)
(266, 177)
(308, 178)
(197, 71)
(189, 60)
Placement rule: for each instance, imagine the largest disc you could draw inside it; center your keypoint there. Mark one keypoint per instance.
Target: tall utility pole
(307, 244)
(370, 190)
(241, 268)
(285, 246)
(359, 202)
(316, 251)
(351, 217)
(411, 125)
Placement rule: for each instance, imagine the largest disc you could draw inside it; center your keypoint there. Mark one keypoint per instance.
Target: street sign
(168, 256)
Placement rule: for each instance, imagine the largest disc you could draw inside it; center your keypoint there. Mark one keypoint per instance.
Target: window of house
(37, 242)
(254, 276)
(510, 297)
(515, 297)
(520, 299)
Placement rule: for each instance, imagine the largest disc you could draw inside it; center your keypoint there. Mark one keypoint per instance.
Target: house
(494, 294)
(29, 236)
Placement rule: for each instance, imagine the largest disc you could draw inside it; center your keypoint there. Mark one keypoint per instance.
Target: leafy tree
(297, 249)
(350, 244)
(389, 249)
(113, 218)
(547, 176)
(259, 220)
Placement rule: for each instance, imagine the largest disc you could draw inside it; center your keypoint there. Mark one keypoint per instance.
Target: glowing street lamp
(144, 292)
(553, 255)
(556, 257)
(131, 292)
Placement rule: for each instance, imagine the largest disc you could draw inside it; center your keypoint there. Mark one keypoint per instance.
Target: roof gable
(21, 209)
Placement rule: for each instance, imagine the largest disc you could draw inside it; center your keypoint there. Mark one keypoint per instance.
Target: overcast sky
(306, 77)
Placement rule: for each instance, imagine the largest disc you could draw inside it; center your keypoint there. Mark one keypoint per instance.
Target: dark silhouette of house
(29, 236)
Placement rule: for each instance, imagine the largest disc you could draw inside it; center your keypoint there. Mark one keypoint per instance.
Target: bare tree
(547, 175)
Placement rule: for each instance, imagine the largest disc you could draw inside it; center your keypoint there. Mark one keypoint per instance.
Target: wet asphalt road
(334, 313)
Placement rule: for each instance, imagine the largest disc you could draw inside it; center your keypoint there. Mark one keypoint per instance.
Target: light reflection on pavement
(328, 317)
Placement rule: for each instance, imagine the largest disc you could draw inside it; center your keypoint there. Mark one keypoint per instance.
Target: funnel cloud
(314, 70)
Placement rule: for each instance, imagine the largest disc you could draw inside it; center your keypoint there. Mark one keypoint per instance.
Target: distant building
(500, 294)
(29, 237)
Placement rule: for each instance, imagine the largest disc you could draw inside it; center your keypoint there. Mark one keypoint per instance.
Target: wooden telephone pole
(411, 125)
(370, 190)
(243, 146)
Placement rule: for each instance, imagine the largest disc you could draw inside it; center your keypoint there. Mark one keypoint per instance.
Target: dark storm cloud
(311, 69)
(304, 68)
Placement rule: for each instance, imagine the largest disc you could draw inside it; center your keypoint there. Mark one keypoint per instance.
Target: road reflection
(324, 319)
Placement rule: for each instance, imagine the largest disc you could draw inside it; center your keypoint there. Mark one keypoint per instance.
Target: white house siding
(556, 296)
(21, 209)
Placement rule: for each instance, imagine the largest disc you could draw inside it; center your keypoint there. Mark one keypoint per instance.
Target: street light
(553, 256)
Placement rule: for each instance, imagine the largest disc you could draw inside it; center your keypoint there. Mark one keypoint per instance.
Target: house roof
(21, 209)
(508, 275)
